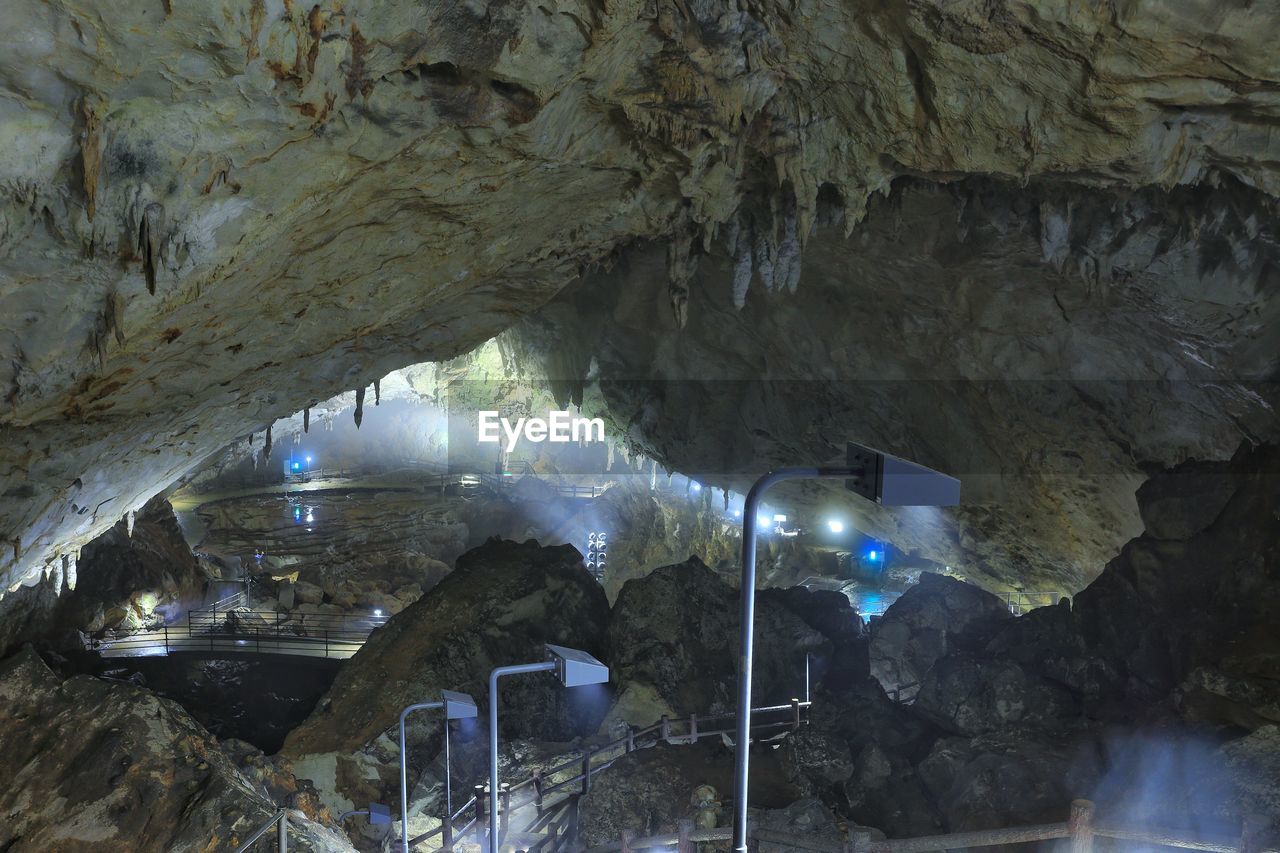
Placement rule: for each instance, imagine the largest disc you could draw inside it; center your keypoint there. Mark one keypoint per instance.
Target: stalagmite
(359, 406)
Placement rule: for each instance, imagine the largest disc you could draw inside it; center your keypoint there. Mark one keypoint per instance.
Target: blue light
(297, 513)
(873, 555)
(297, 465)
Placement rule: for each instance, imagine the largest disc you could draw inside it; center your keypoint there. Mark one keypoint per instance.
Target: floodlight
(835, 525)
(377, 612)
(697, 487)
(576, 668)
(779, 518)
(890, 481)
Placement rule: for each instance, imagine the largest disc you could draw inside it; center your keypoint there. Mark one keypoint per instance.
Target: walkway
(240, 632)
(540, 812)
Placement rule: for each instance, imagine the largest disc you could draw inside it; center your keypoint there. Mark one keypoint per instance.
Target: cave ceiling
(214, 214)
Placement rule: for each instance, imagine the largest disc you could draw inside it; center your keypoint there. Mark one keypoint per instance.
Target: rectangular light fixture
(890, 481)
(458, 706)
(575, 667)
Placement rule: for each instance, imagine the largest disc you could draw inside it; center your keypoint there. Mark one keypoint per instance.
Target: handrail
(1079, 828)
(280, 820)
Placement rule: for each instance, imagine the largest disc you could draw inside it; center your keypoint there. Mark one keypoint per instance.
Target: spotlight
(763, 521)
(308, 460)
(697, 487)
(737, 513)
(377, 613)
(835, 525)
(779, 518)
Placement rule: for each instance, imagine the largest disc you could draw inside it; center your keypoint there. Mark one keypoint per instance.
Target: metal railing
(1024, 602)
(214, 632)
(280, 820)
(1079, 828)
(554, 818)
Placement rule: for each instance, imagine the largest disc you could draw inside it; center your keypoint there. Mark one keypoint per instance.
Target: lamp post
(457, 706)
(877, 476)
(574, 668)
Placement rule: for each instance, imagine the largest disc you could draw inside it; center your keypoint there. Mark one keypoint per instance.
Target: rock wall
(90, 765)
(1049, 345)
(215, 214)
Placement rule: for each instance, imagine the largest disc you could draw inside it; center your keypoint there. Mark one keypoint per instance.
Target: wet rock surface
(91, 765)
(675, 633)
(937, 616)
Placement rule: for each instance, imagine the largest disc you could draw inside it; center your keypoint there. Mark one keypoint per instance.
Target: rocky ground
(91, 765)
(949, 714)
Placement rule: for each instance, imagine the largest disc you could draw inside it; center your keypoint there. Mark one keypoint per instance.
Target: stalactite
(359, 406)
(609, 465)
(150, 229)
(266, 446)
(69, 569)
(306, 419)
(725, 493)
(653, 475)
(377, 392)
(129, 518)
(66, 581)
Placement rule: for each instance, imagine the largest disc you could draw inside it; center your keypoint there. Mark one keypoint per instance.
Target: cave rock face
(91, 765)
(215, 214)
(674, 635)
(932, 619)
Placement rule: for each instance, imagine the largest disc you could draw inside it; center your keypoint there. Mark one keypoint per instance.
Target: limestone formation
(320, 194)
(98, 765)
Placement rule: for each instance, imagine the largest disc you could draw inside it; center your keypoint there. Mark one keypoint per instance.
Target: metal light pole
(573, 667)
(874, 475)
(457, 706)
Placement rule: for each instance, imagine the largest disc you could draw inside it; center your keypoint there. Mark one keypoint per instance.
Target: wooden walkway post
(795, 714)
(482, 815)
(537, 790)
(586, 772)
(693, 728)
(631, 738)
(684, 844)
(1080, 826)
(666, 729)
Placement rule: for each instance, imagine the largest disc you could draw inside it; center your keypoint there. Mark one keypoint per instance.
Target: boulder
(935, 617)
(1005, 779)
(99, 765)
(650, 790)
(676, 629)
(972, 696)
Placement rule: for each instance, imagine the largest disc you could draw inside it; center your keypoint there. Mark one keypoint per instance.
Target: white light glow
(835, 525)
(379, 613)
(779, 518)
